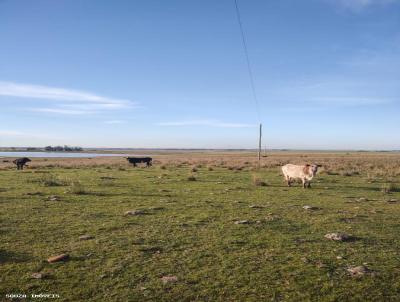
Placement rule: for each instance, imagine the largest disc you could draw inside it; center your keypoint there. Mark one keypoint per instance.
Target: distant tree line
(62, 148)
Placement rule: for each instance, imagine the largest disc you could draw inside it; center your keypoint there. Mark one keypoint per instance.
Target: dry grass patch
(258, 181)
(390, 188)
(77, 188)
(191, 177)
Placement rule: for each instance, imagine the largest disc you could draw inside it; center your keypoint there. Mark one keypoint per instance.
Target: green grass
(187, 229)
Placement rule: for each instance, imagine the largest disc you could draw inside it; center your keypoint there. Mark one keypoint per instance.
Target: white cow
(303, 172)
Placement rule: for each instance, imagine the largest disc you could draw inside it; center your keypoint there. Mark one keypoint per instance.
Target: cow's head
(314, 168)
(26, 159)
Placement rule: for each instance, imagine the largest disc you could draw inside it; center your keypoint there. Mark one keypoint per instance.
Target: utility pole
(259, 146)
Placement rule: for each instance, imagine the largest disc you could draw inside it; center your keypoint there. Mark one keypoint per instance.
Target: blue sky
(173, 73)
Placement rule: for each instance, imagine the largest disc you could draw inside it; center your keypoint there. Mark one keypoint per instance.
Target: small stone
(357, 271)
(242, 222)
(37, 276)
(310, 208)
(58, 258)
(255, 207)
(271, 218)
(169, 279)
(320, 264)
(361, 199)
(134, 212)
(86, 237)
(305, 260)
(53, 198)
(393, 200)
(339, 257)
(338, 236)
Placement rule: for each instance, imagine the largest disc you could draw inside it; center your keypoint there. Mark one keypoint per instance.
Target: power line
(253, 89)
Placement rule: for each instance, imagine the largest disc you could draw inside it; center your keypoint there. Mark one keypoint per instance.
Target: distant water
(57, 154)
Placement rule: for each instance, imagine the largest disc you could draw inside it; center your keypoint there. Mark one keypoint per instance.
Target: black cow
(21, 162)
(138, 160)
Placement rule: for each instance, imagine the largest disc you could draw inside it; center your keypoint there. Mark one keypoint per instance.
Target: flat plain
(202, 226)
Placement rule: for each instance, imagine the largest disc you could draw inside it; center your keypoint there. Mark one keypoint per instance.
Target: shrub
(191, 178)
(51, 180)
(257, 181)
(77, 188)
(389, 188)
(349, 173)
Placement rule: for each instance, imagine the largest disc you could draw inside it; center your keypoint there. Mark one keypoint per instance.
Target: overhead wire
(249, 69)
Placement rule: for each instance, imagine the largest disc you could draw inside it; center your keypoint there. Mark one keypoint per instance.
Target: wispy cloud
(359, 5)
(10, 133)
(52, 93)
(350, 101)
(113, 122)
(64, 101)
(61, 111)
(208, 123)
(23, 134)
(352, 89)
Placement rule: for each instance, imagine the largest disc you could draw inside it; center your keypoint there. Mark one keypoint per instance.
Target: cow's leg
(289, 182)
(304, 183)
(309, 184)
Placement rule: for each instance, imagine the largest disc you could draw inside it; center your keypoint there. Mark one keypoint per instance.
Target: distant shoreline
(112, 150)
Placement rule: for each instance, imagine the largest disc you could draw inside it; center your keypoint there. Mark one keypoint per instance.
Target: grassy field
(185, 243)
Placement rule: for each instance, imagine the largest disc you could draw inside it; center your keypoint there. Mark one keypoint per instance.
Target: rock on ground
(134, 212)
(338, 236)
(58, 258)
(357, 271)
(169, 279)
(310, 208)
(37, 276)
(242, 222)
(53, 198)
